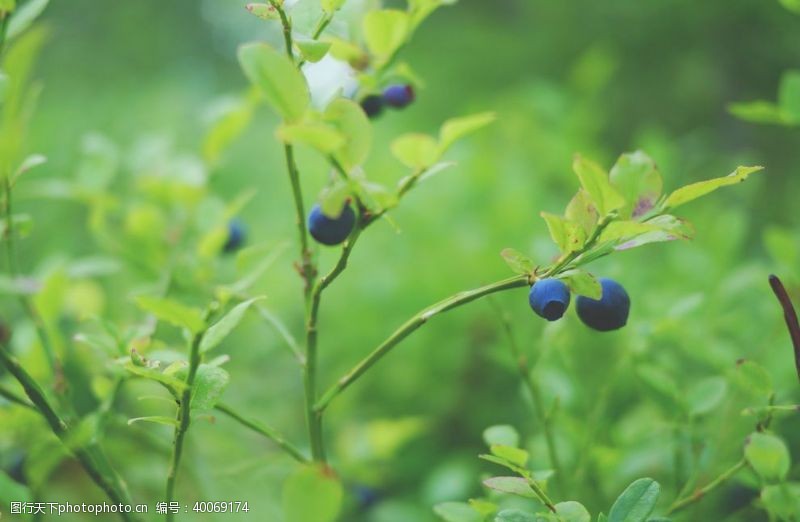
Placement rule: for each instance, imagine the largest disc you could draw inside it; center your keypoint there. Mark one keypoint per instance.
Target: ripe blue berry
(398, 96)
(372, 105)
(608, 313)
(236, 236)
(331, 231)
(549, 298)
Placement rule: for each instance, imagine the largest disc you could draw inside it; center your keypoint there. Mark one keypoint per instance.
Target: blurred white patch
(327, 78)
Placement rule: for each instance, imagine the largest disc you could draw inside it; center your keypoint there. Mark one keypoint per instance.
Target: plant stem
(287, 27)
(700, 493)
(536, 395)
(264, 430)
(790, 316)
(412, 325)
(87, 457)
(183, 419)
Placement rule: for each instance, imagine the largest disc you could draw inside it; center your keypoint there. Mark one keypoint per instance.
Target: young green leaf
(416, 151)
(229, 120)
(595, 182)
(312, 50)
(222, 328)
(511, 485)
(156, 419)
(582, 283)
(572, 511)
(705, 395)
(568, 236)
(516, 456)
(282, 84)
(320, 136)
(173, 312)
(456, 128)
(312, 493)
(457, 512)
(516, 515)
(518, 262)
(420, 9)
(635, 503)
(754, 378)
(31, 162)
(209, 383)
(759, 111)
(695, 190)
(263, 11)
(782, 501)
(638, 180)
(24, 17)
(385, 30)
(789, 96)
(333, 198)
(582, 211)
(665, 228)
(501, 434)
(350, 120)
(768, 456)
(331, 6)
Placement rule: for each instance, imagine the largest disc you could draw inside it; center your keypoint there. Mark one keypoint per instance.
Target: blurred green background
(599, 78)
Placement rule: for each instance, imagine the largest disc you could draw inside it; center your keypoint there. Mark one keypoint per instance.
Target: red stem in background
(789, 315)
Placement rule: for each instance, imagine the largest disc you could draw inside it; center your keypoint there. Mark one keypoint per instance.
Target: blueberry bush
(217, 305)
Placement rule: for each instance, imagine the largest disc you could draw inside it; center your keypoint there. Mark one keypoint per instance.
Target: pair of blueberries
(395, 96)
(550, 298)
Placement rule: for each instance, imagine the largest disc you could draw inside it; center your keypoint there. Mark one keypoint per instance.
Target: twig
(264, 430)
(789, 315)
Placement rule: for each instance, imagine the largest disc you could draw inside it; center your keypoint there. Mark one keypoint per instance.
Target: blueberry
(372, 105)
(608, 313)
(398, 96)
(236, 236)
(331, 231)
(549, 298)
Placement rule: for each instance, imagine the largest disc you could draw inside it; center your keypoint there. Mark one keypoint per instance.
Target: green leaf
(789, 96)
(511, 485)
(791, 5)
(456, 128)
(513, 455)
(515, 515)
(31, 162)
(333, 199)
(518, 262)
(331, 6)
(282, 84)
(704, 396)
(501, 434)
(581, 210)
(635, 503)
(209, 383)
(172, 312)
(416, 151)
(782, 501)
(768, 456)
(695, 190)
(664, 228)
(318, 135)
(582, 283)
(222, 328)
(572, 511)
(420, 9)
(595, 182)
(385, 31)
(153, 374)
(8, 5)
(754, 378)
(263, 11)
(568, 236)
(13, 491)
(457, 512)
(229, 121)
(24, 17)
(758, 111)
(155, 419)
(311, 493)
(625, 230)
(313, 50)
(638, 180)
(349, 119)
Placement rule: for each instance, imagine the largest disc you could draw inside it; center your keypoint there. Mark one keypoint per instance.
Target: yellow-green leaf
(414, 150)
(595, 182)
(456, 128)
(283, 85)
(385, 31)
(354, 126)
(695, 190)
(173, 312)
(318, 135)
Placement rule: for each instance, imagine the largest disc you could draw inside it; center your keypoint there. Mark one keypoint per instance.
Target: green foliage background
(573, 76)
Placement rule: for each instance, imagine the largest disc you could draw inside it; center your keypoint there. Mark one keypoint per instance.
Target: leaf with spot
(567, 235)
(582, 283)
(636, 177)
